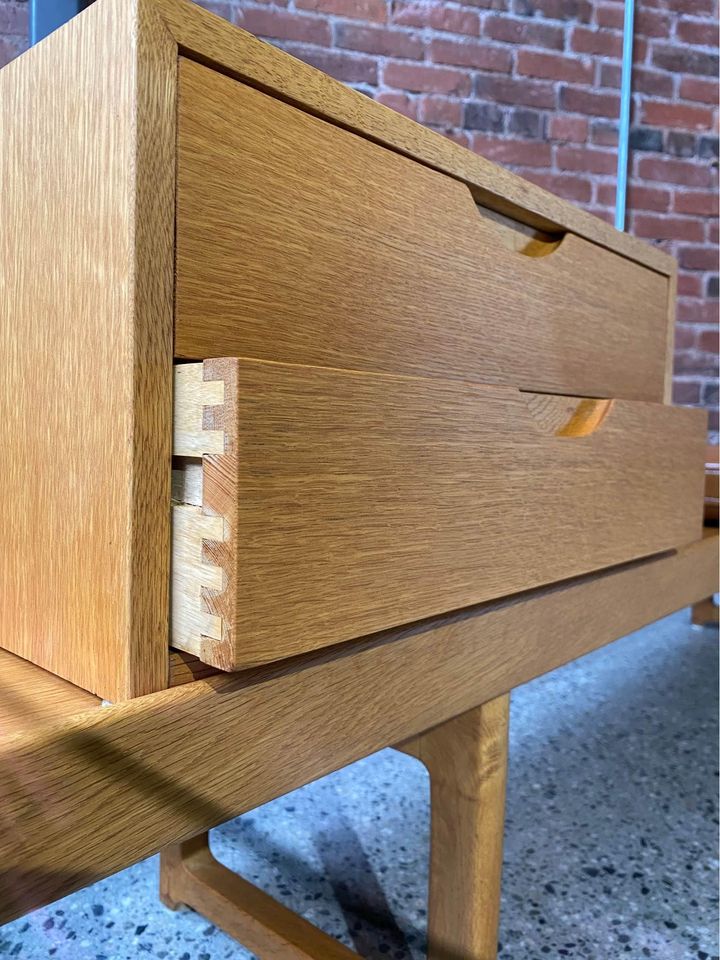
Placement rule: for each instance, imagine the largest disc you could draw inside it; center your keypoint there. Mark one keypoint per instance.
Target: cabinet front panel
(301, 242)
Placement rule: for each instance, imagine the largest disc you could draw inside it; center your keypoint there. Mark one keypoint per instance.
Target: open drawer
(301, 242)
(314, 506)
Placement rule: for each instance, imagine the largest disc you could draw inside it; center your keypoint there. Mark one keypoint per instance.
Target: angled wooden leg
(190, 875)
(467, 762)
(705, 612)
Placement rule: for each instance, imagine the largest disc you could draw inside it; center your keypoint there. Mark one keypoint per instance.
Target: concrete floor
(611, 836)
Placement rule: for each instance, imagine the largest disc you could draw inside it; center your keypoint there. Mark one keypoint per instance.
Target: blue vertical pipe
(48, 15)
(625, 102)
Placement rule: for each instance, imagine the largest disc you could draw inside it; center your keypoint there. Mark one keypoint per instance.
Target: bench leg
(190, 875)
(467, 762)
(705, 612)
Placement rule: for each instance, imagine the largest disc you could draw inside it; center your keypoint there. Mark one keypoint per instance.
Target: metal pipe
(625, 103)
(48, 15)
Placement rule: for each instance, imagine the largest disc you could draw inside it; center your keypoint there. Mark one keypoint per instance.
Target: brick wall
(534, 84)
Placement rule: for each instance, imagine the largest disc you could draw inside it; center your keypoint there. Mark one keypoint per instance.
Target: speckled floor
(611, 834)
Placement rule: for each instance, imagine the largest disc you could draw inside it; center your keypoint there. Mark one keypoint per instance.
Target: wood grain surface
(209, 39)
(191, 876)
(467, 760)
(301, 242)
(354, 502)
(92, 795)
(31, 697)
(86, 234)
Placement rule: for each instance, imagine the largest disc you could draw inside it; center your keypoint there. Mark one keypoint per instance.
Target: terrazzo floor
(611, 835)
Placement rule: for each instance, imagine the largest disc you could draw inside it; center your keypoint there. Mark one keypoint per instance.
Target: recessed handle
(521, 237)
(567, 416)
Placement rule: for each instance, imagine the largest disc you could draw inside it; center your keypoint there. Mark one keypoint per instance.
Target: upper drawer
(330, 504)
(301, 242)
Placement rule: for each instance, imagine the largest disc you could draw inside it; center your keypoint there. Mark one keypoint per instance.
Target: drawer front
(301, 242)
(314, 506)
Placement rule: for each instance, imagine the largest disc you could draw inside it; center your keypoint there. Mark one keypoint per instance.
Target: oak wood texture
(190, 875)
(211, 40)
(87, 156)
(303, 243)
(87, 797)
(185, 668)
(466, 758)
(86, 260)
(346, 503)
(31, 697)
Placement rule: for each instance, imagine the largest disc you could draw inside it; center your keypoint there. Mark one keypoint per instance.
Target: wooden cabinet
(451, 381)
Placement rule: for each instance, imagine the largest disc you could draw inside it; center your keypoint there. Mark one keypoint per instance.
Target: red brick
(449, 20)
(524, 31)
(569, 129)
(698, 258)
(652, 82)
(578, 189)
(424, 79)
(659, 113)
(400, 102)
(506, 90)
(441, 112)
(697, 311)
(604, 134)
(685, 336)
(702, 91)
(712, 232)
(701, 33)
(697, 364)
(471, 53)
(411, 13)
(689, 285)
(609, 15)
(686, 172)
(638, 197)
(651, 23)
(577, 100)
(525, 153)
(610, 75)
(708, 339)
(686, 392)
(345, 66)
(486, 4)
(374, 10)
(683, 59)
(666, 227)
(648, 198)
(687, 8)
(286, 26)
(579, 10)
(550, 66)
(586, 160)
(381, 41)
(603, 43)
(702, 203)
